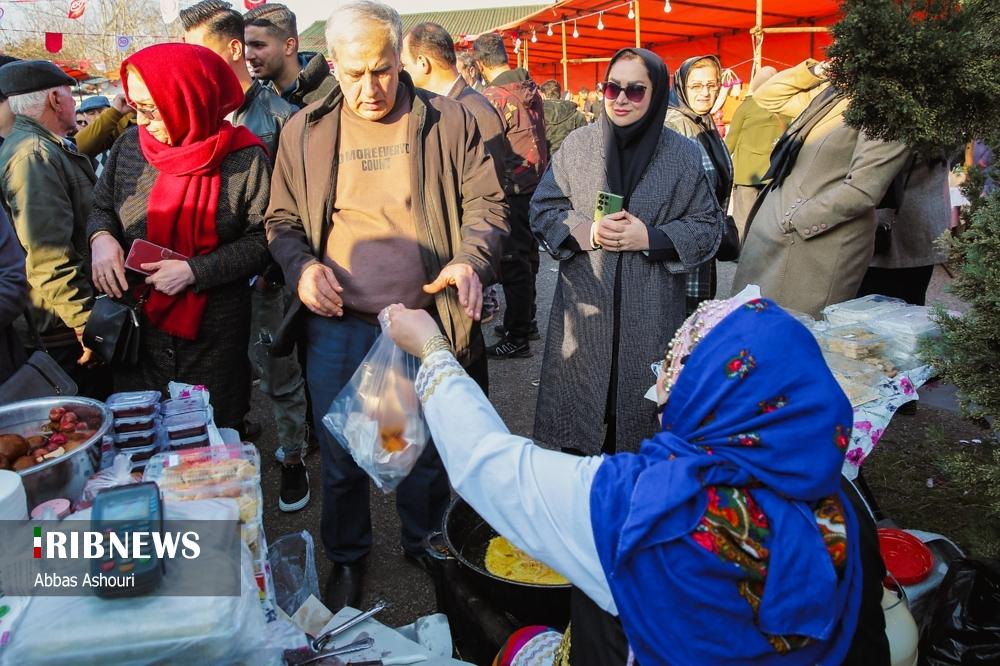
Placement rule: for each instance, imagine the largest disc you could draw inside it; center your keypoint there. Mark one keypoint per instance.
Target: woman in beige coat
(812, 237)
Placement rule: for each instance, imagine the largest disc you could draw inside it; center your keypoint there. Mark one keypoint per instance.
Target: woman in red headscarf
(185, 179)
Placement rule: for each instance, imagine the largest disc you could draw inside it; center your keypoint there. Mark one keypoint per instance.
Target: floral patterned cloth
(872, 418)
(727, 511)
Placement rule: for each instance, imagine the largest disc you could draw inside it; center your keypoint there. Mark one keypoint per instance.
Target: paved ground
(513, 391)
(391, 577)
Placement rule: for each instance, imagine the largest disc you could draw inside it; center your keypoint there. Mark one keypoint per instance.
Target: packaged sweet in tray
(133, 403)
(136, 423)
(141, 455)
(857, 342)
(132, 440)
(194, 469)
(176, 406)
(860, 310)
(186, 426)
(196, 442)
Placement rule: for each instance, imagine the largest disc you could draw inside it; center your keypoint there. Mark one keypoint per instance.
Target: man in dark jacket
(561, 116)
(47, 187)
(219, 28)
(382, 193)
(516, 97)
(13, 298)
(272, 50)
(6, 115)
(469, 70)
(428, 56)
(216, 26)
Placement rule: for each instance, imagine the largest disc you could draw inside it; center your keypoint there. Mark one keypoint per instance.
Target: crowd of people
(298, 202)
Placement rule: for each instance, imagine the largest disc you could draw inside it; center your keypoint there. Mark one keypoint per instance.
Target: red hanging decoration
(53, 42)
(251, 4)
(77, 8)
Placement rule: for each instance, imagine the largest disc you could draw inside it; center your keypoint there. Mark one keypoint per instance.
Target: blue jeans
(335, 349)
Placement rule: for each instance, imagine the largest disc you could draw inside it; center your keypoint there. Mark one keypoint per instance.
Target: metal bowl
(66, 475)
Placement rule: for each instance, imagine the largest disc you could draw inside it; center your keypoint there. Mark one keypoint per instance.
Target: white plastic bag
(119, 474)
(293, 568)
(377, 415)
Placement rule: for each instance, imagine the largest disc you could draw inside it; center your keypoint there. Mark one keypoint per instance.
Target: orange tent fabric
(692, 27)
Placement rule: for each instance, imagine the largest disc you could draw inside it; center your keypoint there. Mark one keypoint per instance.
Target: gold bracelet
(99, 232)
(435, 344)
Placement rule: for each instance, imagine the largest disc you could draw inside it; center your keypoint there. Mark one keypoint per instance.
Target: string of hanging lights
(600, 18)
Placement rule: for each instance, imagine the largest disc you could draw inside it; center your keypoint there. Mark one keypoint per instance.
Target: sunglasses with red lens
(634, 92)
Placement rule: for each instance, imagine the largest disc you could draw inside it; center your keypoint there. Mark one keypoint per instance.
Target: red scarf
(193, 90)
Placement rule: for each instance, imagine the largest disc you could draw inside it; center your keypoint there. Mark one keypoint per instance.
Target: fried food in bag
(377, 416)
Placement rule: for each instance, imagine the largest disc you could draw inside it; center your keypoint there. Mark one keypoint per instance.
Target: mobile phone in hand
(607, 203)
(144, 252)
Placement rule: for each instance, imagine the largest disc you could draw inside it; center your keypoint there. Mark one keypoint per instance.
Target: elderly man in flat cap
(46, 186)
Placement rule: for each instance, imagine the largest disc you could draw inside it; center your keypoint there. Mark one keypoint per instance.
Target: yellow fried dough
(505, 560)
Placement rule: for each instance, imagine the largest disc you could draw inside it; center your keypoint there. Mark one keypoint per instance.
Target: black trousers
(909, 284)
(518, 268)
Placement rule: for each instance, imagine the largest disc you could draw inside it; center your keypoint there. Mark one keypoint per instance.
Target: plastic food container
(197, 469)
(60, 507)
(906, 327)
(134, 403)
(914, 320)
(132, 440)
(142, 454)
(135, 423)
(857, 342)
(186, 426)
(860, 310)
(906, 557)
(176, 406)
(196, 442)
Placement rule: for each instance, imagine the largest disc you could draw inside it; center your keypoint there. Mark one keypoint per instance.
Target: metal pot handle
(435, 547)
(900, 592)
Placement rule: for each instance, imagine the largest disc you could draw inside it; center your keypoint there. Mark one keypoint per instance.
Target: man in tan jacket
(811, 239)
(382, 193)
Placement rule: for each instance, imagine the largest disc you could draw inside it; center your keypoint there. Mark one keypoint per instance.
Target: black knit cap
(27, 76)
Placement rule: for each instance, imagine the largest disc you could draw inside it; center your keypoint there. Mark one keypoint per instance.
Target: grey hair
(30, 104)
(344, 19)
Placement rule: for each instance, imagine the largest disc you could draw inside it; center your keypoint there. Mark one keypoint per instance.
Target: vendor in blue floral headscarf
(726, 540)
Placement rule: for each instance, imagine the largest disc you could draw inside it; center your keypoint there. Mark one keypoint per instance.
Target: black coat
(13, 297)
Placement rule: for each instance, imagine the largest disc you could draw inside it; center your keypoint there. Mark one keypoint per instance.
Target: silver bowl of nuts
(53, 443)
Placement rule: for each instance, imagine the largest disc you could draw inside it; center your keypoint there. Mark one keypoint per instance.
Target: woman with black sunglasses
(622, 275)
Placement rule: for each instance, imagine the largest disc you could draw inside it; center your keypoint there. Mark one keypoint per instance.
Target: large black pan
(466, 536)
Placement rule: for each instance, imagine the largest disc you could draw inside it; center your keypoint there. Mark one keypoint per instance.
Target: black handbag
(893, 200)
(729, 248)
(38, 377)
(883, 238)
(112, 331)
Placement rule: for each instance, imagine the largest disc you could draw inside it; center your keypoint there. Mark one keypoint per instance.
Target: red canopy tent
(75, 72)
(791, 30)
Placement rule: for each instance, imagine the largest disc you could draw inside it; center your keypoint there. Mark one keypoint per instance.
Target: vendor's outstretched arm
(539, 499)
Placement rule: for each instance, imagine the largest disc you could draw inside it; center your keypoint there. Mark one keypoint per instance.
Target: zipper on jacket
(422, 215)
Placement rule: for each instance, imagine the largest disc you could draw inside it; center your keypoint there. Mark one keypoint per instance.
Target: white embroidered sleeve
(539, 499)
